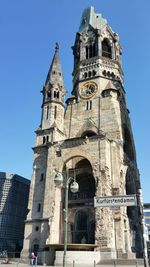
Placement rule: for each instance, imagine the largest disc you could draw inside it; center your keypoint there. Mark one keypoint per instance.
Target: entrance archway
(81, 204)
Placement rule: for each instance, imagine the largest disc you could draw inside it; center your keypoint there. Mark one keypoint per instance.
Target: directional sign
(110, 201)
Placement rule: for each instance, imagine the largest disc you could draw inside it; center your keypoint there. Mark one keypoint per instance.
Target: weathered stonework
(92, 139)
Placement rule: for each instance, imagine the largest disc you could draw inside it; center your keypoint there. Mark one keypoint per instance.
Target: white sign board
(110, 201)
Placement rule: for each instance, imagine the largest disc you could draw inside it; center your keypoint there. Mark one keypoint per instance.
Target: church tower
(92, 141)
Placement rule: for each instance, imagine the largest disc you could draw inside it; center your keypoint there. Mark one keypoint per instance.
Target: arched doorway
(81, 204)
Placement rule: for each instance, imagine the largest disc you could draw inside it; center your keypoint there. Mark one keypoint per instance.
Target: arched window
(90, 51)
(44, 140)
(106, 49)
(89, 74)
(94, 72)
(55, 94)
(49, 94)
(85, 75)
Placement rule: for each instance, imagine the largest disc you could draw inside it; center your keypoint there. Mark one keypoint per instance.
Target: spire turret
(53, 93)
(55, 72)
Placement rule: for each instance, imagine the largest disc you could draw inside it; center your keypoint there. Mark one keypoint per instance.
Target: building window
(44, 140)
(47, 138)
(39, 207)
(42, 177)
(47, 112)
(87, 52)
(36, 228)
(49, 94)
(55, 94)
(55, 112)
(94, 72)
(106, 49)
(89, 74)
(90, 51)
(89, 105)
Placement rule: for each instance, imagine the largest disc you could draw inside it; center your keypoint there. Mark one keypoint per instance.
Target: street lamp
(63, 179)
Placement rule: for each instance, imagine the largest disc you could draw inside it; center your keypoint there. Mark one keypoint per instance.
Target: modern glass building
(14, 192)
(147, 218)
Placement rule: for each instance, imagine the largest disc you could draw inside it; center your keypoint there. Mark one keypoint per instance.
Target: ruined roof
(89, 17)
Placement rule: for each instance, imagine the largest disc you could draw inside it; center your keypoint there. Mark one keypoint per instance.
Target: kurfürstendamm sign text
(110, 201)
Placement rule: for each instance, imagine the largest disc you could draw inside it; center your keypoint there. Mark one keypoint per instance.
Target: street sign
(112, 201)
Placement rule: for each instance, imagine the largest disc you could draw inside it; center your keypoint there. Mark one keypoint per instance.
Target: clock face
(88, 90)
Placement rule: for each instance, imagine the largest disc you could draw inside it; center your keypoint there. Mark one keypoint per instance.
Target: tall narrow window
(90, 104)
(47, 112)
(106, 49)
(94, 50)
(39, 207)
(55, 94)
(87, 52)
(47, 138)
(42, 177)
(90, 51)
(89, 74)
(44, 139)
(55, 112)
(87, 105)
(49, 94)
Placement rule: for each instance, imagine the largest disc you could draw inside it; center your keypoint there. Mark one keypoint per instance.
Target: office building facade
(14, 192)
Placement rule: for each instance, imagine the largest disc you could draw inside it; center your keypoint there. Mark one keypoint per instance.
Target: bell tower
(97, 115)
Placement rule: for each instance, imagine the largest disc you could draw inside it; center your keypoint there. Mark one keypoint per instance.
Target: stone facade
(92, 140)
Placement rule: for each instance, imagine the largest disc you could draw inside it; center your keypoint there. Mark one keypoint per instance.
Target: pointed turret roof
(89, 17)
(55, 72)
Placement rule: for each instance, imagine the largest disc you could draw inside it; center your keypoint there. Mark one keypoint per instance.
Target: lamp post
(63, 179)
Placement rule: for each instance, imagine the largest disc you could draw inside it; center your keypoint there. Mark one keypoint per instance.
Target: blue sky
(28, 32)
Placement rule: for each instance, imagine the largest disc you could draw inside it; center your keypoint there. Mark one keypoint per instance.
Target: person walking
(33, 259)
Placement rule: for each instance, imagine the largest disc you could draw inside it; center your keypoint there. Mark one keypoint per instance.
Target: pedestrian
(33, 259)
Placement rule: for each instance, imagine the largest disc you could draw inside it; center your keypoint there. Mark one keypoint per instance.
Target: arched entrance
(81, 219)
